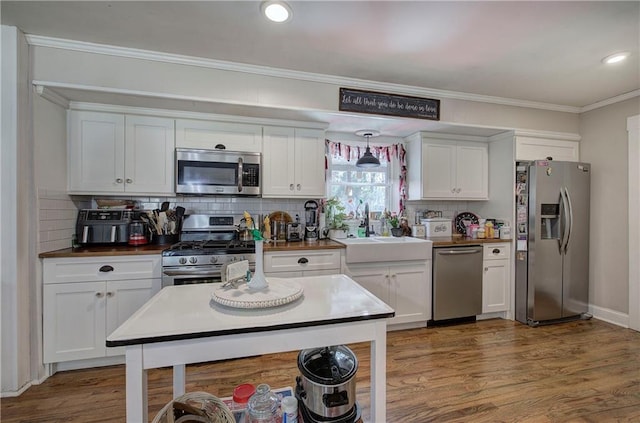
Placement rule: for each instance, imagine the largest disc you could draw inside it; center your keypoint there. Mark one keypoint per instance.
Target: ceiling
(546, 52)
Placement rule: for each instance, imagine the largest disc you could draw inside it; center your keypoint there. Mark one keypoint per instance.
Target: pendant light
(368, 159)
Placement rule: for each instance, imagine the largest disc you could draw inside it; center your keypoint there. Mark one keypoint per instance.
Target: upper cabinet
(209, 135)
(447, 169)
(293, 162)
(533, 148)
(116, 153)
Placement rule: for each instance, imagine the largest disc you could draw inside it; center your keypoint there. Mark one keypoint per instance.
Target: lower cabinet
(80, 314)
(404, 287)
(290, 264)
(496, 278)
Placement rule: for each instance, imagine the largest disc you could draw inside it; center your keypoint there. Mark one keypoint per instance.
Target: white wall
(17, 205)
(604, 145)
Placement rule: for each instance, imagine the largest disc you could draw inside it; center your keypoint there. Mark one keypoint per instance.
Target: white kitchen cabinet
(85, 299)
(496, 277)
(209, 135)
(447, 169)
(403, 286)
(533, 148)
(114, 153)
(289, 264)
(293, 162)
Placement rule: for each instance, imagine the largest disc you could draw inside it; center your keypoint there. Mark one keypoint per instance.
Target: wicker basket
(195, 407)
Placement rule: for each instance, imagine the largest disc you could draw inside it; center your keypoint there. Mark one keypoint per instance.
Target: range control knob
(213, 259)
(182, 260)
(193, 260)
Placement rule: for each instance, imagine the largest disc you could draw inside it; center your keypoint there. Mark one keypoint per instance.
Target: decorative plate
(461, 217)
(279, 292)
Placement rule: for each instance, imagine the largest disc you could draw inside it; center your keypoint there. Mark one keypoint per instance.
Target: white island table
(182, 325)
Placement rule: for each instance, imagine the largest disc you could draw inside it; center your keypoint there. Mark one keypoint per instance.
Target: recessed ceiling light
(615, 58)
(276, 11)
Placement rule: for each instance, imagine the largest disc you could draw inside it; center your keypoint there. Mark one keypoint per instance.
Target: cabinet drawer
(62, 270)
(301, 260)
(496, 251)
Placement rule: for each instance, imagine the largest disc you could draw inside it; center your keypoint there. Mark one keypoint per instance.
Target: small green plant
(336, 214)
(392, 218)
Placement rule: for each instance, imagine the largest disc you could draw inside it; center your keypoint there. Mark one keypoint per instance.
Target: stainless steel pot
(327, 383)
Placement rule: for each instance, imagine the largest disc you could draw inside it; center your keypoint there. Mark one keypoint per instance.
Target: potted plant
(336, 225)
(394, 221)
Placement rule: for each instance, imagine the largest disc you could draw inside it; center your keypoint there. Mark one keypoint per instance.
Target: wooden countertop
(460, 240)
(126, 250)
(120, 250)
(321, 244)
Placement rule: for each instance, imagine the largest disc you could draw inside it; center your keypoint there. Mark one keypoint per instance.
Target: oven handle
(190, 273)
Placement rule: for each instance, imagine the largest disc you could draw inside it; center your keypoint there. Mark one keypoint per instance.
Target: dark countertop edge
(185, 336)
(123, 250)
(446, 241)
(321, 244)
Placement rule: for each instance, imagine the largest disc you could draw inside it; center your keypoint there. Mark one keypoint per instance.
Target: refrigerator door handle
(570, 227)
(565, 221)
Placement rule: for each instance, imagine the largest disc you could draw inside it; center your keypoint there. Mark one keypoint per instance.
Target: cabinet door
(438, 170)
(309, 161)
(149, 155)
(373, 279)
(495, 286)
(472, 172)
(409, 294)
(74, 321)
(123, 299)
(96, 152)
(278, 170)
(539, 149)
(207, 135)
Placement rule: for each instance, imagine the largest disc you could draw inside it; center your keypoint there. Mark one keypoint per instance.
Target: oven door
(217, 172)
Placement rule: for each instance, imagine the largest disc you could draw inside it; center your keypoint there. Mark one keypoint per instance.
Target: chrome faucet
(366, 220)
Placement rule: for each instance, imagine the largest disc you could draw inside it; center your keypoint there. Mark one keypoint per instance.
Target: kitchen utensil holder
(165, 239)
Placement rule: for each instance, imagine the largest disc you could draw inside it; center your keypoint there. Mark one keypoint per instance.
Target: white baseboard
(610, 316)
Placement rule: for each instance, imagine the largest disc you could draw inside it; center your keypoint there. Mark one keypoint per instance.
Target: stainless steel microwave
(217, 172)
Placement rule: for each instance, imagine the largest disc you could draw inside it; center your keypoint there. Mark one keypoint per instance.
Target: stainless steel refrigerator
(552, 241)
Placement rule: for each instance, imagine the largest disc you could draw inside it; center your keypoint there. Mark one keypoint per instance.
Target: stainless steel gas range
(207, 244)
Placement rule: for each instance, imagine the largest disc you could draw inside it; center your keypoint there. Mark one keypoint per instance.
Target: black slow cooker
(327, 386)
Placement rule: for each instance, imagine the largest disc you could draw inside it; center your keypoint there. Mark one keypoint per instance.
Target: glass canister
(263, 405)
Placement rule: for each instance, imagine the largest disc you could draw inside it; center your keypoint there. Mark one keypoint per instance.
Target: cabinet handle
(129, 180)
(99, 294)
(118, 180)
(486, 269)
(496, 251)
(453, 190)
(303, 260)
(291, 187)
(110, 294)
(458, 190)
(298, 187)
(106, 268)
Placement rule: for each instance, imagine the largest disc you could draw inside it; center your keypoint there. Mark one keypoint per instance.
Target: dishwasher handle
(459, 251)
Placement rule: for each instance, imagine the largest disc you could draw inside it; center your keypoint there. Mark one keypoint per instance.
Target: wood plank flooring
(489, 371)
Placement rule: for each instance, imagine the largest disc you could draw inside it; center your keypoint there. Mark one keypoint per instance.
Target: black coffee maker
(311, 220)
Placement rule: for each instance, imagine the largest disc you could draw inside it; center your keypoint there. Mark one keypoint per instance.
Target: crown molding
(50, 95)
(610, 101)
(564, 136)
(82, 46)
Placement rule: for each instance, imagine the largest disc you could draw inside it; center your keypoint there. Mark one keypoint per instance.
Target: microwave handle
(240, 172)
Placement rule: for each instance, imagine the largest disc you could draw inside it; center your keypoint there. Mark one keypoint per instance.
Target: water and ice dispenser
(550, 221)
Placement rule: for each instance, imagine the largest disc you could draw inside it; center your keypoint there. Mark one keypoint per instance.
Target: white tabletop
(186, 312)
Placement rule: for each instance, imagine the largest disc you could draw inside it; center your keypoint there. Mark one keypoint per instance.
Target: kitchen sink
(382, 248)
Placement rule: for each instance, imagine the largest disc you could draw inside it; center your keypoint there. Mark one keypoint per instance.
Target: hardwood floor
(489, 371)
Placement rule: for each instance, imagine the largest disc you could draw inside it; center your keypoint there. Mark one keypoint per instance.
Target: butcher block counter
(461, 240)
(126, 250)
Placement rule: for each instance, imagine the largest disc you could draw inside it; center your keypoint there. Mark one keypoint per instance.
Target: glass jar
(263, 405)
(241, 395)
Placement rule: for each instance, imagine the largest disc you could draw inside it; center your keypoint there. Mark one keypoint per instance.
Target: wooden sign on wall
(388, 104)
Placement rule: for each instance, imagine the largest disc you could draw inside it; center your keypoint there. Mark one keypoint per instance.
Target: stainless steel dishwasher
(457, 282)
